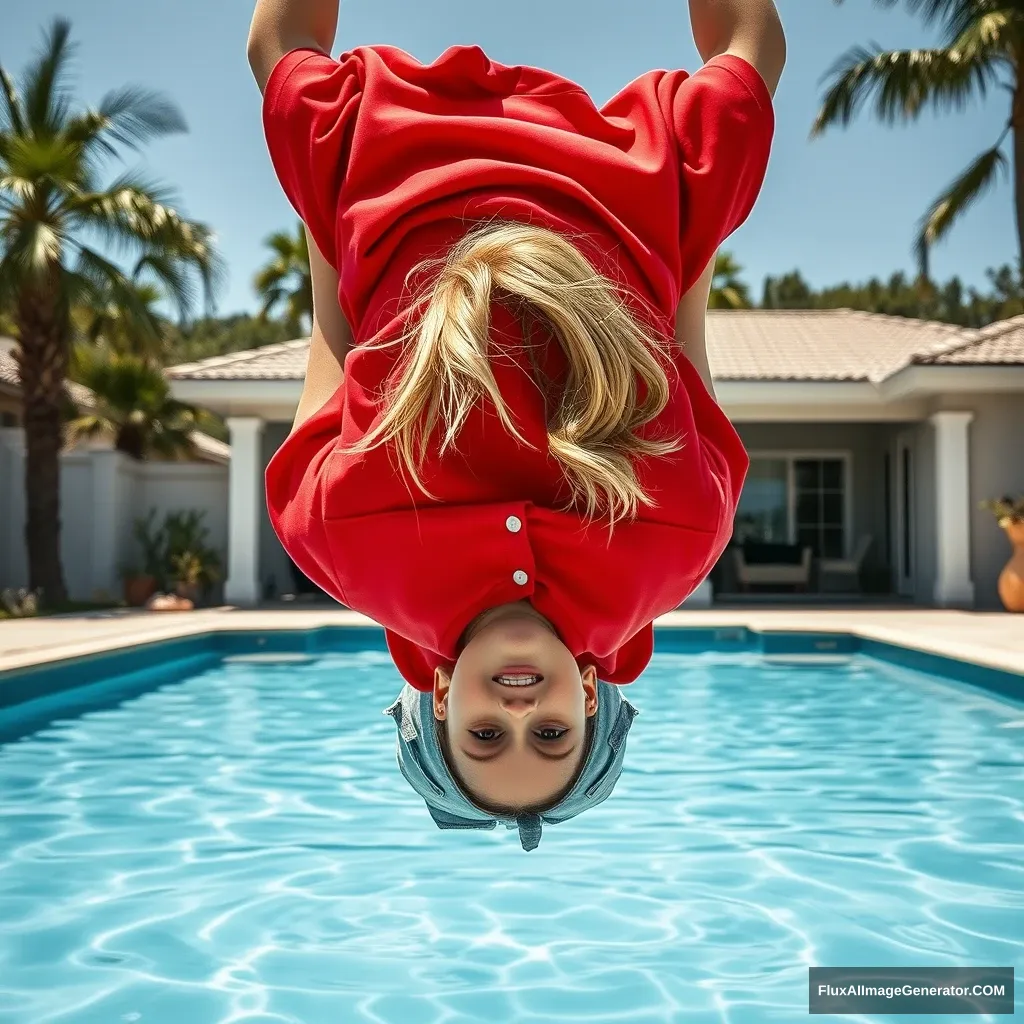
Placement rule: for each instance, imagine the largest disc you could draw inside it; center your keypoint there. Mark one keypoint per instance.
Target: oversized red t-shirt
(389, 161)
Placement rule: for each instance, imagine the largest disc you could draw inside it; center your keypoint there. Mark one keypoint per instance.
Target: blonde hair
(591, 430)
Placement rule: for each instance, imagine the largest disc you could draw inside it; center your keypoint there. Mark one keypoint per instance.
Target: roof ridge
(239, 356)
(998, 327)
(974, 337)
(916, 321)
(848, 311)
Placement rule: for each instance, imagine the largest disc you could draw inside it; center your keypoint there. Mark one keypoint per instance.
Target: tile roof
(284, 361)
(208, 448)
(1000, 343)
(824, 345)
(832, 345)
(10, 376)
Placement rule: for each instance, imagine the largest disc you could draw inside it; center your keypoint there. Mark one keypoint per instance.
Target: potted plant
(192, 564)
(1010, 515)
(193, 571)
(140, 584)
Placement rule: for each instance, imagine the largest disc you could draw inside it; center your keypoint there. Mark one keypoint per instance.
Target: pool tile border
(179, 655)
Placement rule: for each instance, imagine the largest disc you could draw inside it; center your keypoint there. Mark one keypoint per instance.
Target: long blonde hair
(591, 429)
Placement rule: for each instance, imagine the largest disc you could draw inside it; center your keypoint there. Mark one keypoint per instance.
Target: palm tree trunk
(1017, 120)
(43, 358)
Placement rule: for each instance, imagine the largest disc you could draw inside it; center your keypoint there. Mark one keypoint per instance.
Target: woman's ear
(441, 683)
(589, 678)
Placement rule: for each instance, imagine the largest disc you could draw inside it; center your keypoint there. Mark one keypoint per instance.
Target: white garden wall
(103, 492)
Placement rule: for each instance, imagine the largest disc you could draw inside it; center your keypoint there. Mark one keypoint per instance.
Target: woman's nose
(519, 706)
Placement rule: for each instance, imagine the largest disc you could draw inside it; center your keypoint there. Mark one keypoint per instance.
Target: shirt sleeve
(309, 112)
(723, 121)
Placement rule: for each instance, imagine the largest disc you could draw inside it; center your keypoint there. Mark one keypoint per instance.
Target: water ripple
(240, 848)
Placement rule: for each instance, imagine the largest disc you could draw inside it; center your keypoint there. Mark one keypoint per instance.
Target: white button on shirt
(514, 524)
(520, 577)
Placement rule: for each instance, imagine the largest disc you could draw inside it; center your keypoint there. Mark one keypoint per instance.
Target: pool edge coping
(54, 657)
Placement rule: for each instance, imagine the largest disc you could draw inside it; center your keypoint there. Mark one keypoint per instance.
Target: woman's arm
(750, 29)
(279, 26)
(691, 318)
(330, 340)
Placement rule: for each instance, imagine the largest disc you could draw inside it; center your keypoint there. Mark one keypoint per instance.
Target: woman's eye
(485, 735)
(546, 734)
(549, 734)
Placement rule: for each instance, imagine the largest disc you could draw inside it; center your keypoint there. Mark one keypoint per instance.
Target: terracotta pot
(1011, 579)
(189, 591)
(138, 590)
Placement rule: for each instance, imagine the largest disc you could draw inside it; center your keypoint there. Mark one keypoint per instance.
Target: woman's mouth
(518, 675)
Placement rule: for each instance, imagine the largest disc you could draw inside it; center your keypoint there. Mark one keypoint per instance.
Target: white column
(13, 555)
(106, 520)
(953, 584)
(245, 497)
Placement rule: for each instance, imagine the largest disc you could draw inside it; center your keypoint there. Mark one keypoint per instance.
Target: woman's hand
(750, 29)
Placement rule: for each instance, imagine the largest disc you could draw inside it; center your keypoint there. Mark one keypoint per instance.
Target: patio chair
(845, 566)
(775, 565)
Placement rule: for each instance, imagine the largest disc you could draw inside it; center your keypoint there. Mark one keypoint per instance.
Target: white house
(863, 430)
(103, 492)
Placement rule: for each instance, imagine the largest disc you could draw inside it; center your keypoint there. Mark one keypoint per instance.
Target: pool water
(240, 847)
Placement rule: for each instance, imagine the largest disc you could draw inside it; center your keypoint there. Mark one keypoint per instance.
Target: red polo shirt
(388, 161)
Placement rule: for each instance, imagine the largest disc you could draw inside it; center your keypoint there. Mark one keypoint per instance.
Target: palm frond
(171, 274)
(1001, 21)
(903, 82)
(930, 10)
(14, 118)
(44, 103)
(135, 212)
(128, 301)
(90, 425)
(286, 278)
(132, 117)
(957, 198)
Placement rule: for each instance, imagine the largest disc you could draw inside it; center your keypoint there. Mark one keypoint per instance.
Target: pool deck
(995, 639)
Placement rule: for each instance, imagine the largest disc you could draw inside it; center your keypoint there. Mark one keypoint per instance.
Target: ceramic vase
(1011, 579)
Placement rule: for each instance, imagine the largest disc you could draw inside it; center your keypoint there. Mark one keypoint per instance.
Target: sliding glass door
(796, 499)
(820, 507)
(763, 512)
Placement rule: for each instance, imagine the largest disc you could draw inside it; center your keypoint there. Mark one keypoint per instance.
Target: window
(820, 506)
(763, 512)
(792, 499)
(905, 497)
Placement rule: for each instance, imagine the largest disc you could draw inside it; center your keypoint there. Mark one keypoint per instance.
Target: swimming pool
(210, 838)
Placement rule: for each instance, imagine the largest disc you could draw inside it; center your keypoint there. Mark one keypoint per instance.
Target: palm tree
(133, 405)
(983, 48)
(49, 191)
(727, 290)
(106, 320)
(287, 279)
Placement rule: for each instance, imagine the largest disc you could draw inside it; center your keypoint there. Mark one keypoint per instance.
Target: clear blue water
(240, 847)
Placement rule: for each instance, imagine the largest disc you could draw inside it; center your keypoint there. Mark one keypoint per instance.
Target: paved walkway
(988, 638)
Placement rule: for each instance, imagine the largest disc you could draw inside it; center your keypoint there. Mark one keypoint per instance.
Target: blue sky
(843, 207)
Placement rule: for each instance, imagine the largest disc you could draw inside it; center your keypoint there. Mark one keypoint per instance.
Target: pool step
(270, 658)
(808, 659)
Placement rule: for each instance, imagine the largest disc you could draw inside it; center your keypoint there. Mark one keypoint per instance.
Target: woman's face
(515, 745)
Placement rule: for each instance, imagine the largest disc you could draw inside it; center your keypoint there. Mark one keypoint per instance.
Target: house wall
(10, 410)
(997, 467)
(274, 567)
(996, 444)
(924, 517)
(866, 444)
(103, 492)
